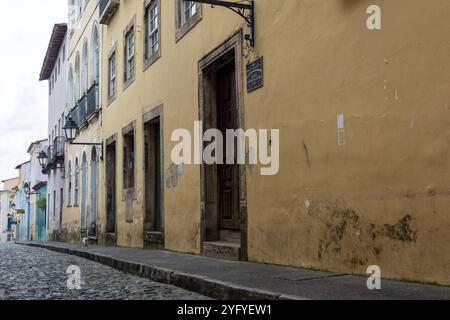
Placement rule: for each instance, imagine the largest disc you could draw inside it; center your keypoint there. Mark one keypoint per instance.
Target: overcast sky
(25, 30)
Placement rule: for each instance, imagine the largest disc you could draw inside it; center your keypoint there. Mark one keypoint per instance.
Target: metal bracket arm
(240, 9)
(98, 145)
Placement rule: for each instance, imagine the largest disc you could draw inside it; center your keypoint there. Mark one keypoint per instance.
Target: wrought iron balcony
(82, 110)
(74, 115)
(58, 149)
(92, 101)
(50, 162)
(107, 10)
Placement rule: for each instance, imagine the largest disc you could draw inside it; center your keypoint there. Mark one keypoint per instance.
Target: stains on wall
(349, 237)
(129, 199)
(401, 231)
(307, 157)
(173, 173)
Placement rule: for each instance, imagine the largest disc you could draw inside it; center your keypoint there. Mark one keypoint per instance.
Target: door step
(222, 250)
(230, 236)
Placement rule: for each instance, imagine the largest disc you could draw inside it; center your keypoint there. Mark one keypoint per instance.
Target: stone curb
(203, 285)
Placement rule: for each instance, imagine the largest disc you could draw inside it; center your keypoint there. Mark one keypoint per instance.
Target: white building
(54, 70)
(4, 209)
(9, 196)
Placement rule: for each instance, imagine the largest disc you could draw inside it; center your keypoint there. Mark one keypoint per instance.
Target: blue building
(40, 231)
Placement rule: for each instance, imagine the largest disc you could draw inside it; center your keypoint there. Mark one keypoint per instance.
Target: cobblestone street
(36, 274)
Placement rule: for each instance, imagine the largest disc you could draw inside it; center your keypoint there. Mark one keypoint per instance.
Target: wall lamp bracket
(71, 129)
(245, 9)
(99, 147)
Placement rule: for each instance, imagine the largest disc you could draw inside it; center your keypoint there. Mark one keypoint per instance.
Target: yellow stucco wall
(382, 198)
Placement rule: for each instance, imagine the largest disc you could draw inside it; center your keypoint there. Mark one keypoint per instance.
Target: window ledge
(129, 82)
(111, 99)
(184, 29)
(151, 60)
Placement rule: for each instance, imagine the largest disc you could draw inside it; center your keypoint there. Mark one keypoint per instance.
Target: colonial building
(36, 192)
(168, 64)
(23, 206)
(350, 164)
(362, 167)
(54, 70)
(7, 206)
(82, 161)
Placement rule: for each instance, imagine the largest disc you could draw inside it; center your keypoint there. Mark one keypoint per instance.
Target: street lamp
(27, 191)
(43, 158)
(71, 129)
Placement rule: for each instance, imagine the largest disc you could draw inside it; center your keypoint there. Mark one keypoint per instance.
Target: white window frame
(130, 50)
(153, 33)
(112, 88)
(188, 10)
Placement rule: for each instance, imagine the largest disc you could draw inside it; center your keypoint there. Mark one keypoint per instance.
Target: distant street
(37, 274)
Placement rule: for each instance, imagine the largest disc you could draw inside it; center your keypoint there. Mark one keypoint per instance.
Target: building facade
(82, 187)
(24, 216)
(356, 117)
(7, 206)
(54, 70)
(332, 87)
(37, 192)
(168, 65)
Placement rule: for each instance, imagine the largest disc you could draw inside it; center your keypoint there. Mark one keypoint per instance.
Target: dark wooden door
(153, 186)
(111, 188)
(228, 174)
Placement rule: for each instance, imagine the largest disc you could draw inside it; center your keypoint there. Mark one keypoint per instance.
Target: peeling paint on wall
(307, 204)
(173, 174)
(129, 197)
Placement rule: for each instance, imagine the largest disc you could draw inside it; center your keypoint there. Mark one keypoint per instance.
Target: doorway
(224, 205)
(92, 234)
(153, 175)
(83, 225)
(111, 191)
(228, 175)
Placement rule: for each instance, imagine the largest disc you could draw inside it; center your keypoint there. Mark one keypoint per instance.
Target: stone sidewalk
(243, 280)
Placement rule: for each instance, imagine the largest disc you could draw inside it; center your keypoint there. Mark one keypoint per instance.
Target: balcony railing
(49, 154)
(74, 115)
(58, 149)
(107, 10)
(82, 110)
(92, 101)
(50, 161)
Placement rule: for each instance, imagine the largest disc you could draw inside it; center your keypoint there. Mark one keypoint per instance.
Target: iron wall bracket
(245, 10)
(99, 147)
